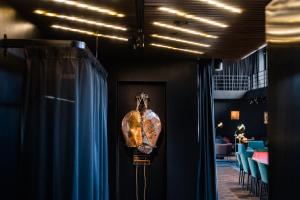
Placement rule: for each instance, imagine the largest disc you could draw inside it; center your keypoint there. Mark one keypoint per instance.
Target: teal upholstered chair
(238, 158)
(246, 168)
(241, 148)
(263, 170)
(244, 160)
(255, 176)
(256, 144)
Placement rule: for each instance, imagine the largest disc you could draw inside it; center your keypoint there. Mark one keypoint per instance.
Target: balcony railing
(240, 82)
(231, 82)
(259, 80)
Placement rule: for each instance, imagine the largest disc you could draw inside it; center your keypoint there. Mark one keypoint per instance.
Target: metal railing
(259, 80)
(240, 82)
(231, 82)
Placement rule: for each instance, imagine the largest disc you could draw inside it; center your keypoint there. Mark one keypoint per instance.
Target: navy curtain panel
(64, 135)
(206, 176)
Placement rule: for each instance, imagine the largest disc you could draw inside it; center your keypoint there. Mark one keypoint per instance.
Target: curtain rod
(21, 43)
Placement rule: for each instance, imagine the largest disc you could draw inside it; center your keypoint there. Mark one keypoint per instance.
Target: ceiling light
(223, 6)
(184, 30)
(78, 19)
(180, 40)
(66, 28)
(188, 16)
(40, 12)
(177, 49)
(90, 7)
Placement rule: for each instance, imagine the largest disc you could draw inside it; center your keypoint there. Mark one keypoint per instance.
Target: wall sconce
(266, 118)
(235, 115)
(220, 125)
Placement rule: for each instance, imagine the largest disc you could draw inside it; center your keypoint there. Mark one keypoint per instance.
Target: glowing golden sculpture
(132, 129)
(141, 127)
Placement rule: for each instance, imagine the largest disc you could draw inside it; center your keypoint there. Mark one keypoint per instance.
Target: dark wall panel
(180, 126)
(284, 107)
(252, 115)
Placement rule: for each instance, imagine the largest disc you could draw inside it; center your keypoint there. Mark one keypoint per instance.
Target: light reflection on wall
(13, 25)
(283, 21)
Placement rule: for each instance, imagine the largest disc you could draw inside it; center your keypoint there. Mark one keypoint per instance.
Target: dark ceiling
(245, 33)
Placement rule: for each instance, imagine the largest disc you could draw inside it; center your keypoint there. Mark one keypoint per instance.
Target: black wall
(178, 172)
(284, 107)
(252, 115)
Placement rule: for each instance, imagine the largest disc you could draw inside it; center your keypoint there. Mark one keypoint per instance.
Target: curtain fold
(206, 176)
(247, 66)
(64, 145)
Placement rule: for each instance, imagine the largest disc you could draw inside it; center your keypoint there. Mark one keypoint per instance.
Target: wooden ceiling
(245, 33)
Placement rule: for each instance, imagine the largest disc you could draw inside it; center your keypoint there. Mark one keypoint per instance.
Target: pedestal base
(141, 160)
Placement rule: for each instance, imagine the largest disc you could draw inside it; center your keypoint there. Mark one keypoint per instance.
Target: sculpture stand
(141, 160)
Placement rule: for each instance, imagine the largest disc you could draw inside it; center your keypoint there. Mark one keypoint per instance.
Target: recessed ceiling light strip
(180, 40)
(177, 49)
(223, 6)
(184, 30)
(66, 28)
(78, 19)
(90, 7)
(188, 16)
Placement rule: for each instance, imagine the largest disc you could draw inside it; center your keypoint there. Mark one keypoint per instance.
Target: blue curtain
(206, 176)
(64, 139)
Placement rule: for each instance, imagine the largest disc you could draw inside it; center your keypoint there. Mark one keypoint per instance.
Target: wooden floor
(228, 186)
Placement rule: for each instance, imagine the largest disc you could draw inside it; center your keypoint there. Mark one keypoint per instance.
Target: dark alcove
(172, 87)
(155, 173)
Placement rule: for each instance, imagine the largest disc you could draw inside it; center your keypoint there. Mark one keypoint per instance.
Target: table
(262, 157)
